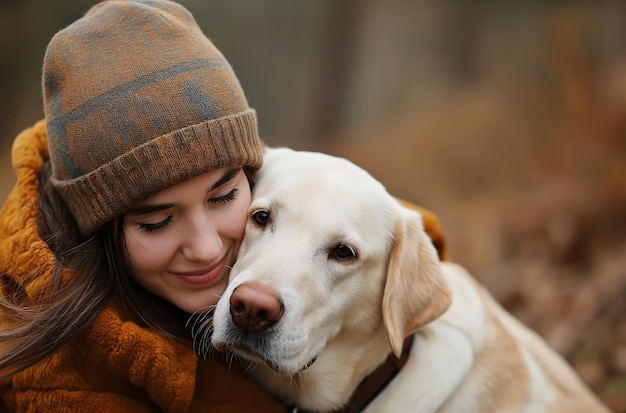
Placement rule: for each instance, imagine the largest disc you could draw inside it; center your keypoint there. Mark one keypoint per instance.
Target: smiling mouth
(196, 273)
(204, 276)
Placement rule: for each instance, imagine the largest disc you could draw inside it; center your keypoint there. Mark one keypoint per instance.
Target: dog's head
(330, 260)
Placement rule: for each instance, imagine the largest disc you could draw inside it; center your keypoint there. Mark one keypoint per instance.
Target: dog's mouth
(309, 364)
(281, 370)
(252, 354)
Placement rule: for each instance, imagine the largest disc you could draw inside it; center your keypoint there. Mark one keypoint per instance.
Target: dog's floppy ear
(415, 292)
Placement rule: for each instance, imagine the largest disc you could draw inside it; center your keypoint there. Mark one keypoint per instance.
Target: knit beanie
(136, 100)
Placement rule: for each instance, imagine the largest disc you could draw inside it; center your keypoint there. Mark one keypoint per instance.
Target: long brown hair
(37, 327)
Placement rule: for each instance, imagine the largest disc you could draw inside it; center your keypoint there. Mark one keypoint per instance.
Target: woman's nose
(202, 241)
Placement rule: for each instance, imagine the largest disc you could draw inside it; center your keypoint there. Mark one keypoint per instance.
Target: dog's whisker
(250, 367)
(299, 380)
(201, 325)
(231, 358)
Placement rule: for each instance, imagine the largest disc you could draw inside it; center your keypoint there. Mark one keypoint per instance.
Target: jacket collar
(24, 256)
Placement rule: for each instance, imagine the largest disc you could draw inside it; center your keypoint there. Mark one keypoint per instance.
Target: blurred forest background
(507, 118)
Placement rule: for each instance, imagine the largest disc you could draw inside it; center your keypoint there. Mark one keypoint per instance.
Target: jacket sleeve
(433, 228)
(112, 366)
(68, 401)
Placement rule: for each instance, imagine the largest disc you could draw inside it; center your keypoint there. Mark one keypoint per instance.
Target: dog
(335, 277)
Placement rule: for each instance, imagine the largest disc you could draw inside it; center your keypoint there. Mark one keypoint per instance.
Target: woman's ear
(415, 292)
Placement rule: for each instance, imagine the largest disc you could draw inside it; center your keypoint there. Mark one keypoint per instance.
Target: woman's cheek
(147, 254)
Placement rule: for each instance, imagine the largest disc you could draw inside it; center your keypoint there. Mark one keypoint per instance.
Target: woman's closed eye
(224, 199)
(147, 228)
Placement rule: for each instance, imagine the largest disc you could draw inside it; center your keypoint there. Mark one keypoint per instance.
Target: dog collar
(374, 383)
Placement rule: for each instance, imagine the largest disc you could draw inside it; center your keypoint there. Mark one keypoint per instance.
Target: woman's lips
(205, 276)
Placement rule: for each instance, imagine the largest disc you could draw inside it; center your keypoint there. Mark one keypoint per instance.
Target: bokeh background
(506, 118)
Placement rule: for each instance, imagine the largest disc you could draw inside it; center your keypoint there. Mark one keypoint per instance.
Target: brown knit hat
(137, 99)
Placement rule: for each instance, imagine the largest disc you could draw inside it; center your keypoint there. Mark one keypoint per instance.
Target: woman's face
(182, 240)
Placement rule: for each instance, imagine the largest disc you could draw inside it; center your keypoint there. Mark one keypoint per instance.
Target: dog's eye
(261, 217)
(342, 252)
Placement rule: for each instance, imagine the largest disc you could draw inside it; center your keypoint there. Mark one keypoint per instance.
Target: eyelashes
(148, 228)
(220, 200)
(224, 199)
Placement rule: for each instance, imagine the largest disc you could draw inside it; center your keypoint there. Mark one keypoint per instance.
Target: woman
(129, 207)
(130, 204)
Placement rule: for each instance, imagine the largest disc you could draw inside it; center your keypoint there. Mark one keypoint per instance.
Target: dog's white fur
(469, 355)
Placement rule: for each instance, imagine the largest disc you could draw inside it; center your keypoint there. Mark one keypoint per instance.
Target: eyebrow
(228, 176)
(150, 208)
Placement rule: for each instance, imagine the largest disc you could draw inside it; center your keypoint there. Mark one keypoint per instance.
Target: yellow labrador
(334, 273)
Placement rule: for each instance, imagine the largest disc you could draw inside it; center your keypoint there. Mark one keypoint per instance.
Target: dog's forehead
(329, 197)
(309, 172)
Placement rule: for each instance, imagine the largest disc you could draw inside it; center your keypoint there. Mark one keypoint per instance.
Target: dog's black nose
(255, 307)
